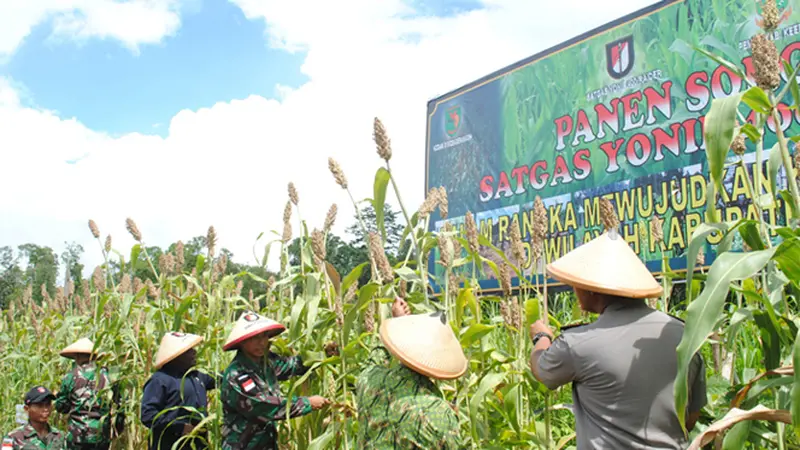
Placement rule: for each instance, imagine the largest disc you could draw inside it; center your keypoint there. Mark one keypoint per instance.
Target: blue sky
(216, 55)
(169, 111)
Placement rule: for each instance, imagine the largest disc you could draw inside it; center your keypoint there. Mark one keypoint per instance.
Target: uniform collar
(619, 305)
(249, 363)
(28, 431)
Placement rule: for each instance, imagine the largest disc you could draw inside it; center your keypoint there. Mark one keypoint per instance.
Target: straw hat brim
(163, 358)
(606, 265)
(443, 357)
(272, 329)
(80, 347)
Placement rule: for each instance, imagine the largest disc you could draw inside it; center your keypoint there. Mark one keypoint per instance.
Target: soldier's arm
(287, 367)
(242, 394)
(552, 365)
(62, 403)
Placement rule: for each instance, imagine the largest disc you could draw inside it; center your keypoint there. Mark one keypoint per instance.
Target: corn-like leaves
(718, 132)
(382, 177)
(702, 313)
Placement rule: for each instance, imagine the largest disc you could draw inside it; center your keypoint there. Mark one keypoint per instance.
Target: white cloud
(229, 165)
(132, 23)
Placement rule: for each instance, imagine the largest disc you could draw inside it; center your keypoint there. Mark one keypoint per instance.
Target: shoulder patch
(246, 383)
(8, 443)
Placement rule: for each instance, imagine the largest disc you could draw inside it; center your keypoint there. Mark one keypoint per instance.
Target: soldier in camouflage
(250, 393)
(399, 406)
(85, 396)
(37, 434)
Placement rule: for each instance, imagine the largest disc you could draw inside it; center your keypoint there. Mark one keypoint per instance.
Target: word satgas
(588, 138)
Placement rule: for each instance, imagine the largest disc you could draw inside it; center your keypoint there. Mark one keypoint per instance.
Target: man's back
(623, 368)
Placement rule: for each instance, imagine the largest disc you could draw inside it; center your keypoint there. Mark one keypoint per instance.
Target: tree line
(45, 270)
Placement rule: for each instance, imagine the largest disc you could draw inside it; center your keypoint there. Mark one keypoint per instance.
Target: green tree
(12, 280)
(71, 258)
(42, 268)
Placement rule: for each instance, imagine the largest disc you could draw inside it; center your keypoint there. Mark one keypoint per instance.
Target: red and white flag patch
(247, 383)
(7, 444)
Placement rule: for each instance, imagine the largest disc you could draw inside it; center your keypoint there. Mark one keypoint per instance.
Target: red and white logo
(619, 57)
(251, 317)
(248, 385)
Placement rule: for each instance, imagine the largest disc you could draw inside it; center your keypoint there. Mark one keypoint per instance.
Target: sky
(182, 114)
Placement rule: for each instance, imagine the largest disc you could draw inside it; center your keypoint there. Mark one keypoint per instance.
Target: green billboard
(617, 113)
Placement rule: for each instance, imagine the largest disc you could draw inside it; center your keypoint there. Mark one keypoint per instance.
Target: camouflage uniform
(26, 438)
(400, 408)
(252, 401)
(80, 397)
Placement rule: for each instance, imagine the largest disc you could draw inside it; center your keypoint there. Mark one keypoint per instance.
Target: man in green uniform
(250, 393)
(81, 396)
(37, 434)
(399, 406)
(623, 366)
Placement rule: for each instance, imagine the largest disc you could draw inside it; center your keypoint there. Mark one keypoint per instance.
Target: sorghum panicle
(766, 62)
(338, 173)
(472, 232)
(607, 215)
(93, 227)
(382, 141)
(130, 225)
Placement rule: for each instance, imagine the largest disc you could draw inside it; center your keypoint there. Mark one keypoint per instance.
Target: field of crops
(742, 314)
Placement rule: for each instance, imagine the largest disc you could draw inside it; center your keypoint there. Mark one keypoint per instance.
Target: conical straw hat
(426, 344)
(606, 265)
(249, 325)
(173, 345)
(81, 346)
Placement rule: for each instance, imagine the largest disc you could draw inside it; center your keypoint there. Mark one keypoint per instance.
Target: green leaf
(750, 234)
(770, 340)
(791, 85)
(702, 314)
(787, 199)
(756, 99)
(788, 258)
(796, 386)
(135, 251)
(711, 213)
(466, 298)
(722, 62)
(382, 177)
(364, 297)
(312, 297)
(199, 264)
(532, 310)
(322, 441)
(698, 240)
(474, 333)
(352, 277)
(736, 437)
(488, 383)
(718, 132)
(773, 166)
(751, 132)
(408, 274)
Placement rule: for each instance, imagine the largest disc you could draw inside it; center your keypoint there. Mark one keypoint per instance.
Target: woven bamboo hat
(426, 344)
(81, 346)
(606, 265)
(173, 345)
(250, 324)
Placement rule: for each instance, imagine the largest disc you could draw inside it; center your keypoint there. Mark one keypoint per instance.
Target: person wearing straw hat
(250, 394)
(399, 404)
(37, 434)
(623, 365)
(175, 398)
(83, 396)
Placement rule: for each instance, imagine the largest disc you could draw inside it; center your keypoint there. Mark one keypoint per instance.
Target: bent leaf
(702, 314)
(735, 416)
(381, 181)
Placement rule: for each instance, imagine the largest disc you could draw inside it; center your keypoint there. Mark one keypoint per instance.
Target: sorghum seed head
(607, 215)
(98, 279)
(539, 222)
(351, 292)
(211, 241)
(657, 230)
(108, 243)
(330, 218)
(770, 15)
(179, 259)
(382, 141)
(293, 194)
(701, 257)
(443, 202)
(472, 232)
(318, 244)
(93, 227)
(125, 284)
(430, 203)
(445, 250)
(766, 62)
(505, 278)
(338, 173)
(133, 229)
(738, 146)
(515, 235)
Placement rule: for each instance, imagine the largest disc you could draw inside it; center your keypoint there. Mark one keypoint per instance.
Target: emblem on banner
(619, 57)
(453, 120)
